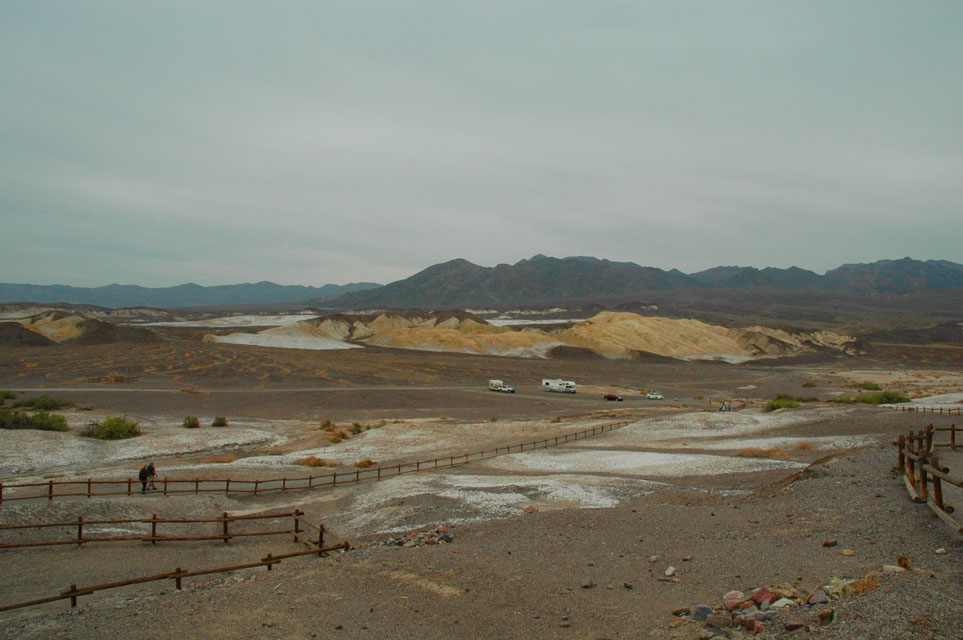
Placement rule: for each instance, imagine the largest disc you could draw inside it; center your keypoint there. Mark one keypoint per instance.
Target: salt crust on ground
(288, 341)
(28, 451)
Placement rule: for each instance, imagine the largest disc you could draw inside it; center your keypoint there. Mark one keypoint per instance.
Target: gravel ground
(526, 576)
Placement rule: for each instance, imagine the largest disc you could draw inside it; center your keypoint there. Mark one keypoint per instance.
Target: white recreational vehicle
(558, 385)
(498, 385)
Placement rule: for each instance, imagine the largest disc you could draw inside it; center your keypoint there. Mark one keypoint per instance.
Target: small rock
(794, 625)
(733, 599)
(653, 558)
(826, 617)
(689, 558)
(588, 585)
(892, 568)
(817, 597)
(941, 551)
(565, 624)
(702, 611)
(786, 591)
(681, 611)
(848, 552)
(670, 571)
(763, 597)
(830, 543)
(720, 620)
(530, 509)
(782, 603)
(628, 585)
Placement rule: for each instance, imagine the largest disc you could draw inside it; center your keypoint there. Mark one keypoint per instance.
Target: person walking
(142, 476)
(151, 474)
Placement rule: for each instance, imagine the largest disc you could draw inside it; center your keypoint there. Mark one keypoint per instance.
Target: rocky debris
(439, 535)
(752, 611)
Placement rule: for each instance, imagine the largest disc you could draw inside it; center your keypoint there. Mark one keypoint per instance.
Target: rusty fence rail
(177, 576)
(225, 534)
(56, 489)
(923, 474)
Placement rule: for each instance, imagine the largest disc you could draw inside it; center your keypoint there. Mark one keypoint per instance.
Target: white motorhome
(499, 385)
(558, 385)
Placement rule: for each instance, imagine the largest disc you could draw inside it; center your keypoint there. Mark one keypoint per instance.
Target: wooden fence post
(255, 486)
(73, 599)
(80, 531)
(1, 493)
(177, 578)
(227, 487)
(165, 485)
(902, 455)
(952, 448)
(88, 487)
(937, 484)
(153, 530)
(321, 539)
(128, 486)
(284, 485)
(225, 528)
(50, 490)
(197, 484)
(269, 563)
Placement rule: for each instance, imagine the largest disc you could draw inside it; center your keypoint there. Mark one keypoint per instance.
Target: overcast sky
(315, 142)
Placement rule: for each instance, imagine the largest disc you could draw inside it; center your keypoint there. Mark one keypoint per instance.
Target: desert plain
(618, 535)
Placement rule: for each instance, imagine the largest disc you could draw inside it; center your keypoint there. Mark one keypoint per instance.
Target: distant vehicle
(613, 397)
(652, 395)
(558, 385)
(501, 387)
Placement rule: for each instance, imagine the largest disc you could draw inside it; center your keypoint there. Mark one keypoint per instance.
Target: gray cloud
(325, 142)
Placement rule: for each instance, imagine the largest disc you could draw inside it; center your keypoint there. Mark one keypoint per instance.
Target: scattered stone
(681, 612)
(530, 509)
(826, 617)
(786, 591)
(733, 599)
(439, 535)
(653, 558)
(941, 551)
(702, 611)
(628, 585)
(817, 597)
(903, 561)
(830, 543)
(782, 603)
(588, 585)
(848, 552)
(689, 558)
(720, 620)
(565, 624)
(892, 568)
(670, 571)
(763, 597)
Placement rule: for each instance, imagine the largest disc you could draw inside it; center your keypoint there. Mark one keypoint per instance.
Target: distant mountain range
(536, 281)
(185, 295)
(541, 280)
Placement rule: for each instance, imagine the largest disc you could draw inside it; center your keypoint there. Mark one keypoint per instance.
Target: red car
(612, 396)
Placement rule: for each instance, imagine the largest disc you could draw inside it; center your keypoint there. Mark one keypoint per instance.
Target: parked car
(612, 396)
(652, 395)
(505, 388)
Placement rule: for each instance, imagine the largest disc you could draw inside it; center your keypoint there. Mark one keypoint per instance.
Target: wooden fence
(942, 411)
(225, 534)
(177, 575)
(920, 467)
(169, 486)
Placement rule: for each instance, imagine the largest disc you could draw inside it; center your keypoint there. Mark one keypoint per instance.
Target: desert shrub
(327, 425)
(219, 421)
(883, 397)
(6, 395)
(43, 403)
(334, 438)
(842, 400)
(314, 461)
(113, 428)
(191, 422)
(13, 419)
(808, 385)
(48, 421)
(755, 452)
(356, 428)
(871, 386)
(803, 446)
(493, 419)
(556, 420)
(781, 403)
(364, 464)
(85, 407)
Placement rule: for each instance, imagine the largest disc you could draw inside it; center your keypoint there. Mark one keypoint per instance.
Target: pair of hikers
(147, 475)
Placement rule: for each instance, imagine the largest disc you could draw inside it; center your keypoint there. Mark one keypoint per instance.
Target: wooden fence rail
(170, 486)
(942, 411)
(177, 576)
(225, 534)
(920, 469)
